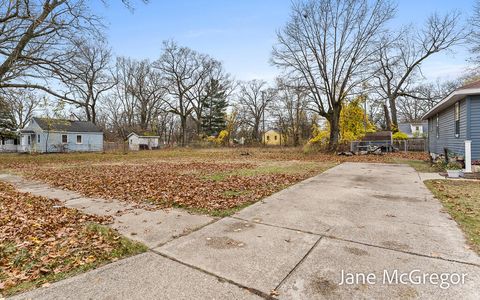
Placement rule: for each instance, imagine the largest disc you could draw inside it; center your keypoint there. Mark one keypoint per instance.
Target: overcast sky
(241, 33)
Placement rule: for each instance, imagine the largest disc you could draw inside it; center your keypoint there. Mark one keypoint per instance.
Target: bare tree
(291, 110)
(35, 37)
(87, 76)
(22, 104)
(184, 71)
(400, 58)
(328, 46)
(424, 97)
(254, 97)
(147, 88)
(474, 36)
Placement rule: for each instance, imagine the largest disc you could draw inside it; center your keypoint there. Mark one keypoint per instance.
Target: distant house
(454, 123)
(59, 135)
(272, 137)
(414, 129)
(9, 144)
(142, 142)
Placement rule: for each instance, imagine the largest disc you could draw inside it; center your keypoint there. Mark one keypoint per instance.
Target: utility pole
(263, 119)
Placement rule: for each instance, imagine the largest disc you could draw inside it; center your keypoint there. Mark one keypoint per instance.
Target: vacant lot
(462, 200)
(214, 181)
(41, 241)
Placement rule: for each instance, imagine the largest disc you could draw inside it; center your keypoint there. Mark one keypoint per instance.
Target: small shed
(138, 141)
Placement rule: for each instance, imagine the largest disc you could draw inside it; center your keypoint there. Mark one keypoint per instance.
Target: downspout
(468, 141)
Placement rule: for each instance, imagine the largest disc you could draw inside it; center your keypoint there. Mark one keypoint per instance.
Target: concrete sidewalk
(375, 219)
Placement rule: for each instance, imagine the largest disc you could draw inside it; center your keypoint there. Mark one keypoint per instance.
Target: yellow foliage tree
(353, 124)
(353, 121)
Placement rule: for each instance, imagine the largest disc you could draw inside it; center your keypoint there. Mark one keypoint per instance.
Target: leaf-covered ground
(41, 241)
(462, 200)
(215, 181)
(208, 187)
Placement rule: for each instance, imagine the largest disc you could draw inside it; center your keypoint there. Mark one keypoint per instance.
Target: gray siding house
(454, 123)
(414, 129)
(58, 135)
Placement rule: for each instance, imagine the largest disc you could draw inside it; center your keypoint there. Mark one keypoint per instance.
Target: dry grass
(462, 200)
(216, 181)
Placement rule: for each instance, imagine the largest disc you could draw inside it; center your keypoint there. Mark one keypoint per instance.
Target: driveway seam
(220, 278)
(187, 233)
(402, 251)
(298, 264)
(365, 244)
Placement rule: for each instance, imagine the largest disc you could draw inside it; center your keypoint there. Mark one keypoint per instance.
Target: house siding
(447, 137)
(475, 126)
(91, 141)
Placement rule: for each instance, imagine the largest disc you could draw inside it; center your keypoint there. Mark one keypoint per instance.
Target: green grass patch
(462, 200)
(419, 165)
(289, 167)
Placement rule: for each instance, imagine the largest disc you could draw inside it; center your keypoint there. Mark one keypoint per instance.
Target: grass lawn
(462, 200)
(215, 181)
(42, 242)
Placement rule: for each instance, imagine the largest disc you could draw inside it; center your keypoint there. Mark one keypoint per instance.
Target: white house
(58, 135)
(142, 142)
(9, 144)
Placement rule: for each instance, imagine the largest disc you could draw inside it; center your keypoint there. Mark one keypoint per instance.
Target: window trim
(437, 126)
(66, 138)
(81, 139)
(456, 119)
(38, 138)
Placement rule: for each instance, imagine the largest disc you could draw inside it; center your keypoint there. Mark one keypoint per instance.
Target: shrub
(453, 165)
(400, 136)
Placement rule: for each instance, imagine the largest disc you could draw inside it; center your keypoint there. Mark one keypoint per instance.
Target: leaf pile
(169, 184)
(40, 239)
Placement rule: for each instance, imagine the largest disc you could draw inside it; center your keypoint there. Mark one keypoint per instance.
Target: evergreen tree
(7, 126)
(215, 108)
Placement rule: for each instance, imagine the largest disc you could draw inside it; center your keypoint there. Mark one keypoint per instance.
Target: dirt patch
(362, 179)
(407, 292)
(395, 245)
(324, 286)
(356, 251)
(223, 242)
(396, 198)
(239, 226)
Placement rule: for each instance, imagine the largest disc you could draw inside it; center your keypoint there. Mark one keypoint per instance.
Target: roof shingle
(66, 125)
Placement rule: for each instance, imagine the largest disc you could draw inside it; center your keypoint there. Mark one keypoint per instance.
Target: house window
(64, 139)
(268, 137)
(79, 139)
(457, 119)
(29, 139)
(275, 137)
(38, 138)
(437, 127)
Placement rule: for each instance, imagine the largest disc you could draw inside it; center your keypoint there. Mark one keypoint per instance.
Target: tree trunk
(183, 121)
(388, 121)
(334, 128)
(393, 112)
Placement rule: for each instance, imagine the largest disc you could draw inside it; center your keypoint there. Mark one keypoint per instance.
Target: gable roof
(143, 135)
(463, 91)
(66, 125)
(407, 127)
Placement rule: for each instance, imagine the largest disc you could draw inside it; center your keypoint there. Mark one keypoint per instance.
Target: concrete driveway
(356, 231)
